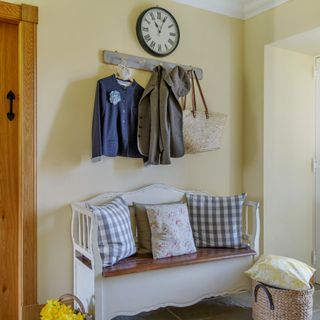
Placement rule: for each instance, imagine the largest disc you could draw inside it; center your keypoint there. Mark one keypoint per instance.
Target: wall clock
(158, 31)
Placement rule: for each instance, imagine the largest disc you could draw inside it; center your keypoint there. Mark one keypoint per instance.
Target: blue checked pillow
(115, 238)
(216, 221)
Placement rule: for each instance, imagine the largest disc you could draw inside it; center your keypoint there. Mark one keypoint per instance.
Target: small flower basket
(270, 303)
(58, 310)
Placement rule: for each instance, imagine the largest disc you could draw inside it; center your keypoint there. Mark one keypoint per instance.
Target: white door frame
(316, 256)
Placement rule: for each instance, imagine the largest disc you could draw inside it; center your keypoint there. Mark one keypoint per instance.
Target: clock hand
(163, 21)
(159, 30)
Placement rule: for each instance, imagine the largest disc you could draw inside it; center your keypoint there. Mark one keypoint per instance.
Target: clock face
(158, 31)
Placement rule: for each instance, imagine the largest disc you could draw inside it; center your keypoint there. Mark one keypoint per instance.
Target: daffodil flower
(54, 310)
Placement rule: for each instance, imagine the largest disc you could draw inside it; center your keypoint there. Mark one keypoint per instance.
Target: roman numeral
(171, 42)
(152, 16)
(172, 34)
(147, 37)
(170, 26)
(159, 48)
(166, 46)
(158, 15)
(152, 44)
(146, 20)
(145, 29)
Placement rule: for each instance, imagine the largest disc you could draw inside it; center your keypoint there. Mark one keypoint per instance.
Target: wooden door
(9, 174)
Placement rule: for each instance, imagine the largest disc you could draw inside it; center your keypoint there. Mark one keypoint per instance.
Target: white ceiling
(242, 9)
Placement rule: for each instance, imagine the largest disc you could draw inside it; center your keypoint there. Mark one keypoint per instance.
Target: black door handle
(11, 96)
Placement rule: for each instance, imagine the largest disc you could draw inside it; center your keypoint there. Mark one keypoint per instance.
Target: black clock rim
(140, 37)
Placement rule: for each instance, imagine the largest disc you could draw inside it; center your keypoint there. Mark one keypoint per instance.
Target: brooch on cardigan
(114, 97)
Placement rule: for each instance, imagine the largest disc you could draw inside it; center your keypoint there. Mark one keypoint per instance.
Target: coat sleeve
(97, 124)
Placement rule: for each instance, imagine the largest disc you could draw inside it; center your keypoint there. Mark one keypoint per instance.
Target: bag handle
(193, 95)
(193, 75)
(201, 93)
(184, 102)
(69, 296)
(258, 286)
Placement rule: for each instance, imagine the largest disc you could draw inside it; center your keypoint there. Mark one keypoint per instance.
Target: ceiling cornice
(225, 7)
(254, 7)
(242, 9)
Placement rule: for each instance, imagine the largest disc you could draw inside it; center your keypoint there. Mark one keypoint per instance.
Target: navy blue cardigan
(115, 118)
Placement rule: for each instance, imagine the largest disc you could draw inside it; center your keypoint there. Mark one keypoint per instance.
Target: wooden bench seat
(141, 263)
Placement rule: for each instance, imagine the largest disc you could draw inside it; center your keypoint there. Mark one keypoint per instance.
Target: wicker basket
(68, 297)
(271, 303)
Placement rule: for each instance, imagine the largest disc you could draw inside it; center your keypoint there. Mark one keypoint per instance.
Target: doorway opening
(291, 134)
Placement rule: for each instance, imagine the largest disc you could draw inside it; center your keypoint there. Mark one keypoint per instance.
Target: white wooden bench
(140, 283)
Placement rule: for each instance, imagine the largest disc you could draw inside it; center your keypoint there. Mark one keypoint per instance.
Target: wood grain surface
(9, 164)
(27, 169)
(142, 263)
(10, 12)
(18, 216)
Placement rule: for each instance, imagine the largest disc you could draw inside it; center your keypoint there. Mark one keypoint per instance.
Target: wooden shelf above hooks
(135, 62)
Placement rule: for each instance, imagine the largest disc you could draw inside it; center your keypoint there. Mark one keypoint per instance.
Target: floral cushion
(171, 233)
(143, 227)
(282, 272)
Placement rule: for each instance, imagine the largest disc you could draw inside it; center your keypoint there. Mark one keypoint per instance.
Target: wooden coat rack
(135, 62)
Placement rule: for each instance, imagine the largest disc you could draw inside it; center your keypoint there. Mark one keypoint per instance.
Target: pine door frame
(26, 17)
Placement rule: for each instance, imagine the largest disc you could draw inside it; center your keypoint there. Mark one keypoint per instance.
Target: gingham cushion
(115, 238)
(216, 221)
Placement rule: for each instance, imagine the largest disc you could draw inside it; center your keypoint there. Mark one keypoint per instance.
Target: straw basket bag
(271, 303)
(202, 131)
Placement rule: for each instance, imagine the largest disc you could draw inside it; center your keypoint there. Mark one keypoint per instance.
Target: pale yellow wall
(293, 17)
(71, 37)
(289, 146)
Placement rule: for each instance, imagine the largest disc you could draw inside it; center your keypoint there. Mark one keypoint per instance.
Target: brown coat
(160, 134)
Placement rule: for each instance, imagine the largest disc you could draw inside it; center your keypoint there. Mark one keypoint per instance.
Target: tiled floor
(234, 307)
